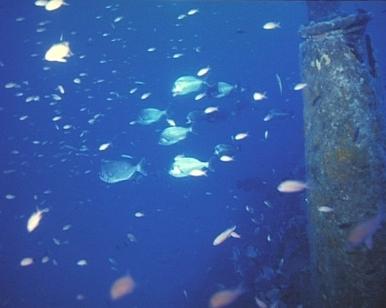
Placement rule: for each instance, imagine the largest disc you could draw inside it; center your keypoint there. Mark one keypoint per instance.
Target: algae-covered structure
(345, 157)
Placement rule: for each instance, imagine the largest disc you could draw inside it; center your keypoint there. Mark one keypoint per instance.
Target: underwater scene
(170, 154)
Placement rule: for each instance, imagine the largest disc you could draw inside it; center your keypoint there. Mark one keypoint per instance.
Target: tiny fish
(291, 186)
(82, 262)
(225, 297)
(300, 86)
(225, 235)
(199, 96)
(26, 262)
(66, 227)
(171, 122)
(198, 172)
(211, 109)
(240, 136)
(139, 214)
(104, 146)
(364, 231)
(226, 158)
(279, 83)
(271, 25)
(325, 209)
(260, 303)
(192, 12)
(60, 89)
(121, 287)
(177, 55)
(145, 95)
(258, 96)
(35, 218)
(203, 71)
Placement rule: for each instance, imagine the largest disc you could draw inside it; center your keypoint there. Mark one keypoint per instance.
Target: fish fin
(235, 235)
(211, 163)
(191, 130)
(140, 168)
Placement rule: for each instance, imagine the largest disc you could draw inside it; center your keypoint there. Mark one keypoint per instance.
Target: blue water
(172, 261)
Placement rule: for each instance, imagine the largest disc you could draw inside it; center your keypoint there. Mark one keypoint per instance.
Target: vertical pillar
(345, 159)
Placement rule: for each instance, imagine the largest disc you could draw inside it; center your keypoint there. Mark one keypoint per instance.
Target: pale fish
(145, 95)
(187, 84)
(325, 209)
(271, 25)
(364, 231)
(192, 12)
(183, 166)
(53, 5)
(223, 89)
(225, 297)
(240, 136)
(34, 220)
(224, 149)
(177, 55)
(291, 186)
(26, 262)
(114, 171)
(198, 172)
(41, 2)
(149, 116)
(226, 158)
(203, 71)
(104, 146)
(121, 287)
(279, 83)
(300, 86)
(258, 96)
(260, 303)
(82, 262)
(210, 109)
(171, 122)
(174, 134)
(225, 235)
(58, 52)
(199, 96)
(273, 113)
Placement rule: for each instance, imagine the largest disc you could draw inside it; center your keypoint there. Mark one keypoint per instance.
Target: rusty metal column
(345, 159)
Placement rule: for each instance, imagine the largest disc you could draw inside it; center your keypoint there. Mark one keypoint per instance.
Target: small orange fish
(121, 287)
(291, 186)
(364, 231)
(225, 297)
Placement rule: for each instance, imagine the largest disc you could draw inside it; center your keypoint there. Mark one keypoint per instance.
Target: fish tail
(140, 167)
(211, 163)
